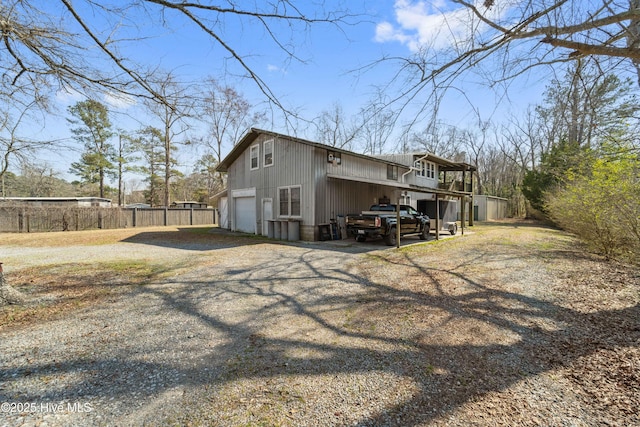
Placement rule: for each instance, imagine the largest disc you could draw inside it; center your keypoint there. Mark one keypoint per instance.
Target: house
(271, 176)
(188, 204)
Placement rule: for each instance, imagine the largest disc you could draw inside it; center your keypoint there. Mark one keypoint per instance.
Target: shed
(489, 208)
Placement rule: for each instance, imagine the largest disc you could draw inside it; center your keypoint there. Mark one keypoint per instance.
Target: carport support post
(463, 201)
(398, 224)
(437, 217)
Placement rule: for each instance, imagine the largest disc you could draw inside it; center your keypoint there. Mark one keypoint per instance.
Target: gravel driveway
(244, 331)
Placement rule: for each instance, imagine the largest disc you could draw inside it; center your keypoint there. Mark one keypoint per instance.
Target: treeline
(33, 181)
(587, 178)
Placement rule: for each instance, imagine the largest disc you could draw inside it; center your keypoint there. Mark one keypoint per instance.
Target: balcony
(456, 185)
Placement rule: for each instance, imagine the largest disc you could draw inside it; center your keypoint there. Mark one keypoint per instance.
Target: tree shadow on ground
(216, 239)
(354, 323)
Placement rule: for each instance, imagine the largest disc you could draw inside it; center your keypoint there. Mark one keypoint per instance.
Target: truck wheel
(390, 238)
(361, 238)
(424, 235)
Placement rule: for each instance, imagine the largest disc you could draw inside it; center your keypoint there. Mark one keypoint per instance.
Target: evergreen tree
(92, 128)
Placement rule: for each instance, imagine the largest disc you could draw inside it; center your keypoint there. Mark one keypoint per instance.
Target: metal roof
(253, 133)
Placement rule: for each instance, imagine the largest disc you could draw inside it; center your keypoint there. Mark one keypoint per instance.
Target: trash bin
(277, 231)
(294, 230)
(324, 231)
(284, 230)
(270, 229)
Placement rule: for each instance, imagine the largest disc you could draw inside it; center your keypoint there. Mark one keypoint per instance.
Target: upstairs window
(254, 155)
(431, 170)
(268, 153)
(392, 172)
(425, 169)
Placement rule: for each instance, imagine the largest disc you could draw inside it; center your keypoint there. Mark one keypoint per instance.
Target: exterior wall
(353, 166)
(411, 177)
(293, 165)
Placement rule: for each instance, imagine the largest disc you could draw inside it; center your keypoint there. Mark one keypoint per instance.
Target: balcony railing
(455, 186)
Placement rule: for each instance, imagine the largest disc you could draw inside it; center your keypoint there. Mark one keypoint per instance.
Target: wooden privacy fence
(20, 219)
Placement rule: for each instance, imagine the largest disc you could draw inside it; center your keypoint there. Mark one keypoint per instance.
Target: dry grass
(56, 291)
(100, 237)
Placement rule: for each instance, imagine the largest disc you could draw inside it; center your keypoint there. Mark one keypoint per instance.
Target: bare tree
(586, 107)
(227, 113)
(335, 129)
(501, 40)
(14, 147)
(173, 114)
(377, 126)
(125, 157)
(440, 139)
(65, 44)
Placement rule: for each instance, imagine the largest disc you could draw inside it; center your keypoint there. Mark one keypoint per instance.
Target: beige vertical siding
(293, 165)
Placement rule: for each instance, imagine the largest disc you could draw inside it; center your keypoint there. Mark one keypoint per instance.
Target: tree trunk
(8, 295)
(633, 40)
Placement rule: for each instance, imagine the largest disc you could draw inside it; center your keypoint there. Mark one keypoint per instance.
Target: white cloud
(437, 24)
(119, 101)
(68, 96)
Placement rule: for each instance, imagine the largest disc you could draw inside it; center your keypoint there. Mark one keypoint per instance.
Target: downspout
(412, 168)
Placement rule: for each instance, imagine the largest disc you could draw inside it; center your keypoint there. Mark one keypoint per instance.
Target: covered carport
(405, 191)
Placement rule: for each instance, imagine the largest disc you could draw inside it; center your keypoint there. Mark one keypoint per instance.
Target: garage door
(245, 214)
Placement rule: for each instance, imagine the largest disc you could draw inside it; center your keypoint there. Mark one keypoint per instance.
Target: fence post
(166, 216)
(20, 221)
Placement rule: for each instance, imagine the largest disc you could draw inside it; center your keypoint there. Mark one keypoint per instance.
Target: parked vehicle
(381, 221)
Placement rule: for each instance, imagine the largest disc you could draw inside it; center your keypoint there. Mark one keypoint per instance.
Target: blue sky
(326, 77)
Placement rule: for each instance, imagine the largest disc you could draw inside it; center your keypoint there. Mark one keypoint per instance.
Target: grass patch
(56, 290)
(101, 237)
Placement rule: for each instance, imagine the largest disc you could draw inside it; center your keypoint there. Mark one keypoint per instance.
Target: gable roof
(253, 133)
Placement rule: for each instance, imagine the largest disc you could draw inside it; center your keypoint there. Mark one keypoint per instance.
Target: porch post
(471, 203)
(437, 217)
(463, 201)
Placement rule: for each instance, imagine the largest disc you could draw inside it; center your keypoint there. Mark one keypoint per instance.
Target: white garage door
(245, 214)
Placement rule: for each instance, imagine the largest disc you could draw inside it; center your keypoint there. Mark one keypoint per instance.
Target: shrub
(603, 207)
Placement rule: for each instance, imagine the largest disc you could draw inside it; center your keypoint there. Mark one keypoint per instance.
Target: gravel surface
(507, 325)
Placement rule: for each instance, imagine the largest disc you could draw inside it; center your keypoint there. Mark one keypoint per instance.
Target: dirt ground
(510, 324)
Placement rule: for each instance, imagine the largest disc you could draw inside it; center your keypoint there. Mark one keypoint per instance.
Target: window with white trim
(425, 169)
(289, 199)
(431, 170)
(267, 149)
(254, 157)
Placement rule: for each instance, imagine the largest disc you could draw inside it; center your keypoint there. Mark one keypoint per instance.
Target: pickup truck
(381, 221)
